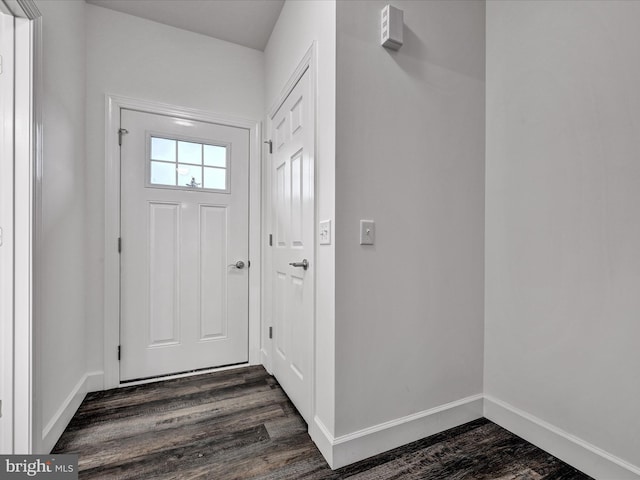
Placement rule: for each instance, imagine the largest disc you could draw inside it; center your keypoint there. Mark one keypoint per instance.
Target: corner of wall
(575, 451)
(356, 446)
(90, 382)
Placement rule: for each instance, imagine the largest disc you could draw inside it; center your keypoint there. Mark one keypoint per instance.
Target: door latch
(304, 264)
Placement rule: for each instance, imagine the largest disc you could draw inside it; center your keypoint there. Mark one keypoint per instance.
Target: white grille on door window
(185, 164)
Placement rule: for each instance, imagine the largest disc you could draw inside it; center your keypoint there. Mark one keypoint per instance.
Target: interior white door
(184, 245)
(292, 180)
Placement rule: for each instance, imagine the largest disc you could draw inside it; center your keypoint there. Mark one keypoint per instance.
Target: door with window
(184, 245)
(292, 180)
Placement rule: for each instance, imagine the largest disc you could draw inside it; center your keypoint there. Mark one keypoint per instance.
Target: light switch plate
(325, 232)
(367, 232)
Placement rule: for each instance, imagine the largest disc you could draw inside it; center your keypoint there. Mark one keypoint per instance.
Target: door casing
(113, 106)
(22, 429)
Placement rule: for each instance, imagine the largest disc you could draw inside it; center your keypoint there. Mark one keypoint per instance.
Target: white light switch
(325, 232)
(367, 232)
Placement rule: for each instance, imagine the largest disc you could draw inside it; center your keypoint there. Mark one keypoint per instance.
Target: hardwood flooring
(239, 424)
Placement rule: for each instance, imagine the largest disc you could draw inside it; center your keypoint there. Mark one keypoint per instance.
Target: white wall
(300, 24)
(409, 155)
(137, 58)
(60, 324)
(562, 229)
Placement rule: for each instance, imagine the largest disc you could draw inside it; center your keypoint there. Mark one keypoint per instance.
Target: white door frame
(113, 106)
(308, 62)
(6, 246)
(21, 422)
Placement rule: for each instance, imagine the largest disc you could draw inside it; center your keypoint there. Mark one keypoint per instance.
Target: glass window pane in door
(215, 178)
(189, 152)
(163, 173)
(189, 176)
(163, 149)
(215, 156)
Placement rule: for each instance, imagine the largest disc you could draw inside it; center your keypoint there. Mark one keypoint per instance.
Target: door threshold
(190, 373)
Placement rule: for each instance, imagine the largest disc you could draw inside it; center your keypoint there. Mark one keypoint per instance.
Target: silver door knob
(304, 264)
(239, 265)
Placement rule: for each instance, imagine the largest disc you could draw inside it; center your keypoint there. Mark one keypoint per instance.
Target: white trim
(308, 61)
(56, 425)
(20, 8)
(38, 237)
(6, 223)
(94, 382)
(24, 236)
(255, 241)
(575, 451)
(323, 439)
(22, 153)
(113, 105)
(267, 258)
(346, 449)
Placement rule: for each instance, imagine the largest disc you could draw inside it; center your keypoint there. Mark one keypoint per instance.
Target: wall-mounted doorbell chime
(391, 26)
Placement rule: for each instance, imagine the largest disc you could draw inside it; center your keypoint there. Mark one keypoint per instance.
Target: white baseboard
(95, 381)
(323, 439)
(576, 452)
(90, 382)
(265, 360)
(346, 449)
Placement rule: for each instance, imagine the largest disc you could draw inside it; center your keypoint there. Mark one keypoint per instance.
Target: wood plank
(239, 424)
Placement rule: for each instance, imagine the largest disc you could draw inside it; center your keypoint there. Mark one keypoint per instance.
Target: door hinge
(271, 239)
(270, 332)
(119, 245)
(119, 352)
(121, 132)
(270, 143)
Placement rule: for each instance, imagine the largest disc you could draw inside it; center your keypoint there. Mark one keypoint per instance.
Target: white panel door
(293, 247)
(184, 258)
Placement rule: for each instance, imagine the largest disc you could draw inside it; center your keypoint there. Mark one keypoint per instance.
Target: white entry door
(292, 177)
(184, 245)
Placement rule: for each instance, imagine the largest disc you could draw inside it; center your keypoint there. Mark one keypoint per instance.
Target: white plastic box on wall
(391, 26)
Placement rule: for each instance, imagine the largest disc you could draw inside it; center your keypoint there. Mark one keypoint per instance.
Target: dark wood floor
(239, 424)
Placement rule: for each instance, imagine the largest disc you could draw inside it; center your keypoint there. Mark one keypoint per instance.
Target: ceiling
(245, 22)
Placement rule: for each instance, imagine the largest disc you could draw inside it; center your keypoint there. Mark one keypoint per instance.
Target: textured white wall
(301, 23)
(562, 229)
(409, 155)
(137, 58)
(62, 319)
